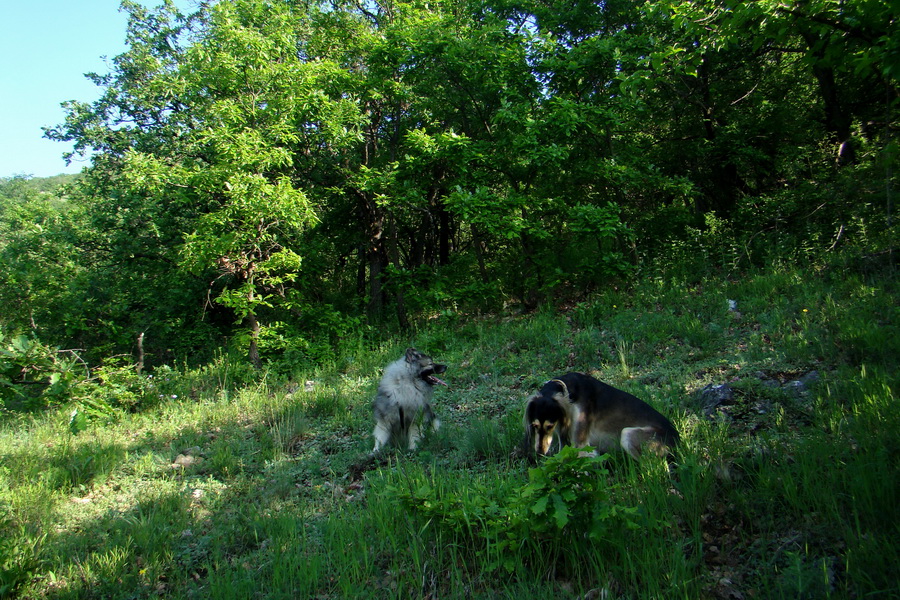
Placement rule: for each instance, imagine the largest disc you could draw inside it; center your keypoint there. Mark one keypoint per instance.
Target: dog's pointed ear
(528, 404)
(412, 355)
(526, 421)
(562, 395)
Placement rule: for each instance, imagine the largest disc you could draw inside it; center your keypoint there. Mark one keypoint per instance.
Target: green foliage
(33, 375)
(280, 177)
(113, 388)
(603, 226)
(20, 554)
(38, 253)
(569, 490)
(860, 32)
(569, 497)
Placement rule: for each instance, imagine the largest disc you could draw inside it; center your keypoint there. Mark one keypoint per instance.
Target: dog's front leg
(431, 418)
(382, 436)
(415, 433)
(579, 440)
(577, 436)
(563, 436)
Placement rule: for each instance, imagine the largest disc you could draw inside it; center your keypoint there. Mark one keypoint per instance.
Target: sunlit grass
(235, 490)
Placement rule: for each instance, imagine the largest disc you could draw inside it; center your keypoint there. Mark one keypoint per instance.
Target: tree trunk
(376, 256)
(838, 121)
(478, 243)
(394, 243)
(140, 353)
(443, 235)
(253, 353)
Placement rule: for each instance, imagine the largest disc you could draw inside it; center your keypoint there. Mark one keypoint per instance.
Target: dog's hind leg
(633, 438)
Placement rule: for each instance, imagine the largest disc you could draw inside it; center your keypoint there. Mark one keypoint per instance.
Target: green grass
(776, 496)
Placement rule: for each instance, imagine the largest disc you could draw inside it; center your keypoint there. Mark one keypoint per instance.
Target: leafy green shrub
(570, 491)
(32, 374)
(599, 237)
(318, 337)
(567, 496)
(446, 290)
(114, 387)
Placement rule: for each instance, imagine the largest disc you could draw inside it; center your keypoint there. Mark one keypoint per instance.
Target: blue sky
(46, 47)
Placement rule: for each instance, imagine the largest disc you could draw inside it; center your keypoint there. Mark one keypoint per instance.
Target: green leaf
(540, 506)
(22, 344)
(78, 422)
(560, 512)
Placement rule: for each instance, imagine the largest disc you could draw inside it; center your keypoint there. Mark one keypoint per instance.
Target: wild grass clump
(20, 553)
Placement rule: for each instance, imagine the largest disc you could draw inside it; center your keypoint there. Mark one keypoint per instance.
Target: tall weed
(21, 554)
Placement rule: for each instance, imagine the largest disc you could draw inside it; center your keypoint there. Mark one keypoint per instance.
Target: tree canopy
(270, 172)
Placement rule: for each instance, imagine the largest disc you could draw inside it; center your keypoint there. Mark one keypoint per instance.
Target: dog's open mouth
(434, 380)
(431, 379)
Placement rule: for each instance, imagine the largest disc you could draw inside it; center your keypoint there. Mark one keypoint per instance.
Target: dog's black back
(621, 408)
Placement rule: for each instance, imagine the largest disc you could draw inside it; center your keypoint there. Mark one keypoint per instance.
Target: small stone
(183, 461)
(795, 388)
(713, 396)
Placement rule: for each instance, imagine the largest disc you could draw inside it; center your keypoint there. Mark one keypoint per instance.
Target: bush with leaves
(569, 496)
(113, 388)
(32, 374)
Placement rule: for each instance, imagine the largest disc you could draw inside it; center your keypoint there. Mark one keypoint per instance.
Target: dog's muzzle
(542, 444)
(429, 375)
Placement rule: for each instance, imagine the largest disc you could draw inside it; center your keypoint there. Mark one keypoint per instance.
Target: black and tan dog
(582, 411)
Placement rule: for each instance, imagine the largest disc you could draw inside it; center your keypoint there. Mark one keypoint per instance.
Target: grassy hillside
(786, 484)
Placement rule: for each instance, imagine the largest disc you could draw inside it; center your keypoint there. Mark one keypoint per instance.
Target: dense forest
(279, 178)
